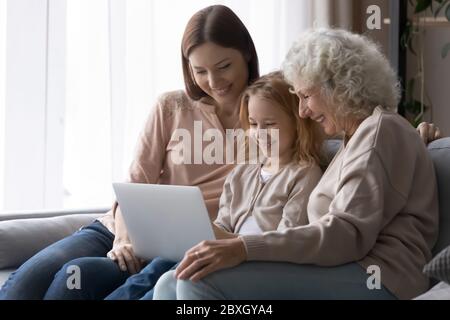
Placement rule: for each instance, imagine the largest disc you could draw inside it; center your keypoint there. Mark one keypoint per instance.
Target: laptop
(163, 220)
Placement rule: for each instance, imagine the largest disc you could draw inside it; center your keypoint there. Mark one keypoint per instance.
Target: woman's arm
(151, 147)
(122, 251)
(346, 234)
(211, 256)
(145, 168)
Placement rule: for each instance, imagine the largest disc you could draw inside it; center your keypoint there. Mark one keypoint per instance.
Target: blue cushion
(440, 153)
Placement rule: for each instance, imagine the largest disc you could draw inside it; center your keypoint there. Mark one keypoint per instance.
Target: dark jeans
(46, 274)
(140, 285)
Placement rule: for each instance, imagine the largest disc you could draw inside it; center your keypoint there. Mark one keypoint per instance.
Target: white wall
(379, 35)
(437, 70)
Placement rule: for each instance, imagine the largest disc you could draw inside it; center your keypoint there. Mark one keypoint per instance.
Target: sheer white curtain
(116, 68)
(87, 143)
(2, 95)
(118, 57)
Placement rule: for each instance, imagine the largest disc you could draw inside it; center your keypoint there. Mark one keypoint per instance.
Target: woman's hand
(210, 256)
(122, 253)
(428, 132)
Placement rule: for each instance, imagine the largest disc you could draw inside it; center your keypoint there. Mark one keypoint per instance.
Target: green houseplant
(413, 41)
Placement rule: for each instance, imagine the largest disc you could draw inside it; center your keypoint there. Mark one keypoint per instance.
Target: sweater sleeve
(295, 210)
(151, 147)
(347, 232)
(223, 219)
(150, 150)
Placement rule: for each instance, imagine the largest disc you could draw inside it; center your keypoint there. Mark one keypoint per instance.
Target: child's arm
(295, 210)
(223, 220)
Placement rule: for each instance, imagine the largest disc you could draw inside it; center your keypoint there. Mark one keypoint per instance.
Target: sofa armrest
(23, 234)
(29, 214)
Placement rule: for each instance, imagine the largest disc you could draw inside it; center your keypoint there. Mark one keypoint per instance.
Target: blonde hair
(350, 69)
(309, 138)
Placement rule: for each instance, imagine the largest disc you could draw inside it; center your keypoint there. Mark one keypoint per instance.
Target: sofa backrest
(440, 153)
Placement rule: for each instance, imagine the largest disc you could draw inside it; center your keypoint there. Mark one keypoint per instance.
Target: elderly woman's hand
(210, 256)
(428, 132)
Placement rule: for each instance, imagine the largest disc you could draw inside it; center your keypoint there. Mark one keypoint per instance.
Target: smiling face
(314, 106)
(220, 72)
(268, 114)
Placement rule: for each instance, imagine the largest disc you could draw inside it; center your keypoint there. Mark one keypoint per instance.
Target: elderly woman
(372, 221)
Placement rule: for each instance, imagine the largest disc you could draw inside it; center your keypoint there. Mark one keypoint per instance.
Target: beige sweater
(376, 204)
(278, 204)
(153, 162)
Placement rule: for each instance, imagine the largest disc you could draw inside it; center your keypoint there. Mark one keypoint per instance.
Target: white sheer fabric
(119, 56)
(2, 95)
(110, 96)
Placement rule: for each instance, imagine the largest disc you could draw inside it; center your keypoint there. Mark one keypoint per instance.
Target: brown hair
(220, 25)
(309, 138)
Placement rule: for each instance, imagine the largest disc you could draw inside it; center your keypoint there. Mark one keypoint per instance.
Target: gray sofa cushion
(30, 214)
(22, 238)
(441, 291)
(440, 153)
(439, 266)
(4, 274)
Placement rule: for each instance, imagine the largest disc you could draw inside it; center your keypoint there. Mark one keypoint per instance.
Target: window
(83, 77)
(87, 131)
(2, 95)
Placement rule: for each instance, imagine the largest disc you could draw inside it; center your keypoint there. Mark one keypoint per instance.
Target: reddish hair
(309, 138)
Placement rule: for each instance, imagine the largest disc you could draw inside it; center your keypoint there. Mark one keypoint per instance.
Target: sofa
(22, 234)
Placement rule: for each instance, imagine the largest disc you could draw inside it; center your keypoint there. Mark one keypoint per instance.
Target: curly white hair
(349, 68)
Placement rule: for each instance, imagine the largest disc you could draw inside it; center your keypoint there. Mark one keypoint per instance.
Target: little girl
(272, 195)
(258, 198)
